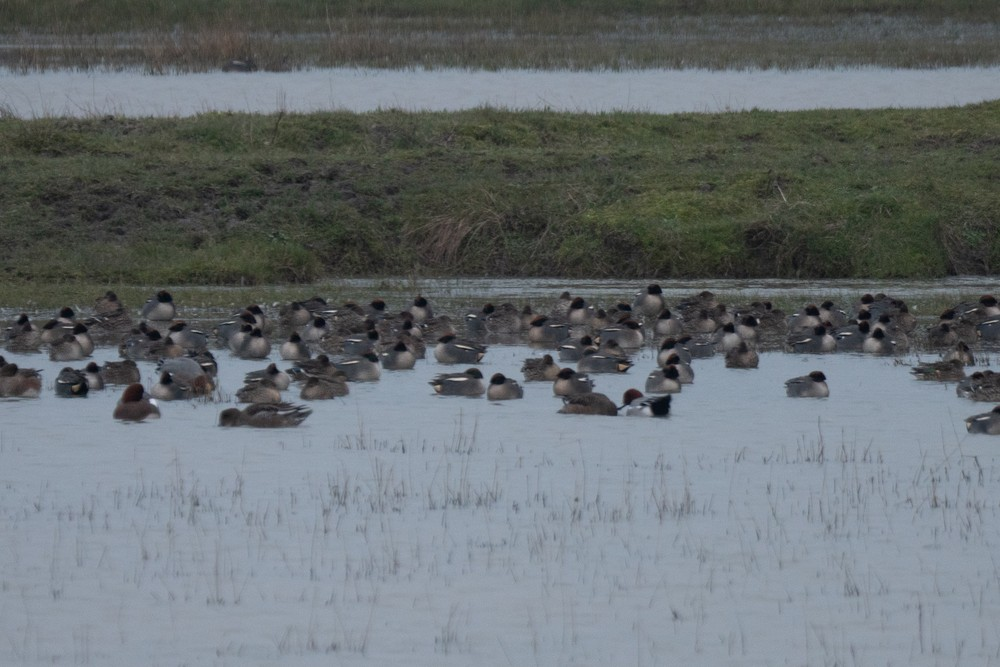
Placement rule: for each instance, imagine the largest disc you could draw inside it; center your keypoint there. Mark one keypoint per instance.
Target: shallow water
(395, 526)
(95, 93)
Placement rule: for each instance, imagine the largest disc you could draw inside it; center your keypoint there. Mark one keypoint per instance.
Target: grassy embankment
(199, 35)
(230, 199)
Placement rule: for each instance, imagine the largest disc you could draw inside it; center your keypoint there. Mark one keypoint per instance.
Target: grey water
(873, 399)
(133, 93)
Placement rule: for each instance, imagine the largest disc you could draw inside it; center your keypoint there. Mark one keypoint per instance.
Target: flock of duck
(326, 348)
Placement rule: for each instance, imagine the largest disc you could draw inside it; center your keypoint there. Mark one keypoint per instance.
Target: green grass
(244, 199)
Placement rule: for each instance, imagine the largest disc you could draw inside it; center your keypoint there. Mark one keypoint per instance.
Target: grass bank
(247, 199)
(199, 35)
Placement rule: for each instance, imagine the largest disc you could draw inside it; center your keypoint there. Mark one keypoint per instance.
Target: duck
(363, 342)
(265, 415)
(570, 383)
(804, 321)
(685, 373)
(573, 349)
(980, 386)
(296, 314)
(812, 385)
(398, 358)
(670, 346)
(542, 369)
(359, 367)
(280, 378)
(110, 315)
(742, 356)
(23, 336)
(989, 329)
(878, 342)
(92, 373)
(120, 372)
(951, 370)
(591, 403)
(650, 301)
(988, 422)
(135, 405)
(294, 349)
(324, 388)
(595, 362)
(453, 350)
(68, 348)
(314, 330)
(580, 313)
(466, 383)
(726, 338)
(546, 331)
(505, 320)
(816, 341)
(961, 352)
(261, 390)
(503, 388)
(321, 366)
(627, 333)
(71, 383)
(19, 382)
(667, 324)
(159, 307)
(636, 405)
(421, 309)
(665, 380)
(851, 337)
(192, 340)
(170, 388)
(255, 346)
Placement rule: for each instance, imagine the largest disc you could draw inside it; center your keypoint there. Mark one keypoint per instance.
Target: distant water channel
(130, 93)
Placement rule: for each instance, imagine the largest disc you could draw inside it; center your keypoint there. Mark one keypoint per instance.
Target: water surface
(130, 93)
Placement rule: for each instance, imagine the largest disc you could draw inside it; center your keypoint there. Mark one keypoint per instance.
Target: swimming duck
(817, 341)
(573, 349)
(808, 386)
(120, 372)
(667, 324)
(664, 380)
(170, 388)
(359, 367)
(110, 315)
(314, 330)
(627, 333)
(467, 383)
(685, 373)
(503, 388)
(540, 370)
(92, 373)
(261, 390)
(726, 338)
(265, 415)
(68, 348)
(878, 343)
(636, 405)
(650, 301)
(804, 321)
(19, 382)
(324, 388)
(961, 352)
(280, 378)
(297, 314)
(294, 349)
(980, 386)
(505, 320)
(192, 340)
(421, 309)
(672, 346)
(570, 383)
(135, 405)
(742, 356)
(23, 335)
(579, 313)
(255, 346)
(159, 308)
(595, 362)
(988, 422)
(591, 403)
(360, 343)
(851, 337)
(71, 384)
(546, 331)
(951, 370)
(398, 358)
(453, 350)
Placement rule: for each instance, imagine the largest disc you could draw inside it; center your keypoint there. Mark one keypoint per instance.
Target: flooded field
(395, 525)
(131, 93)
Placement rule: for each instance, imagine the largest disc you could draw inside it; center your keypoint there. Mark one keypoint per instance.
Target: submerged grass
(254, 199)
(197, 36)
